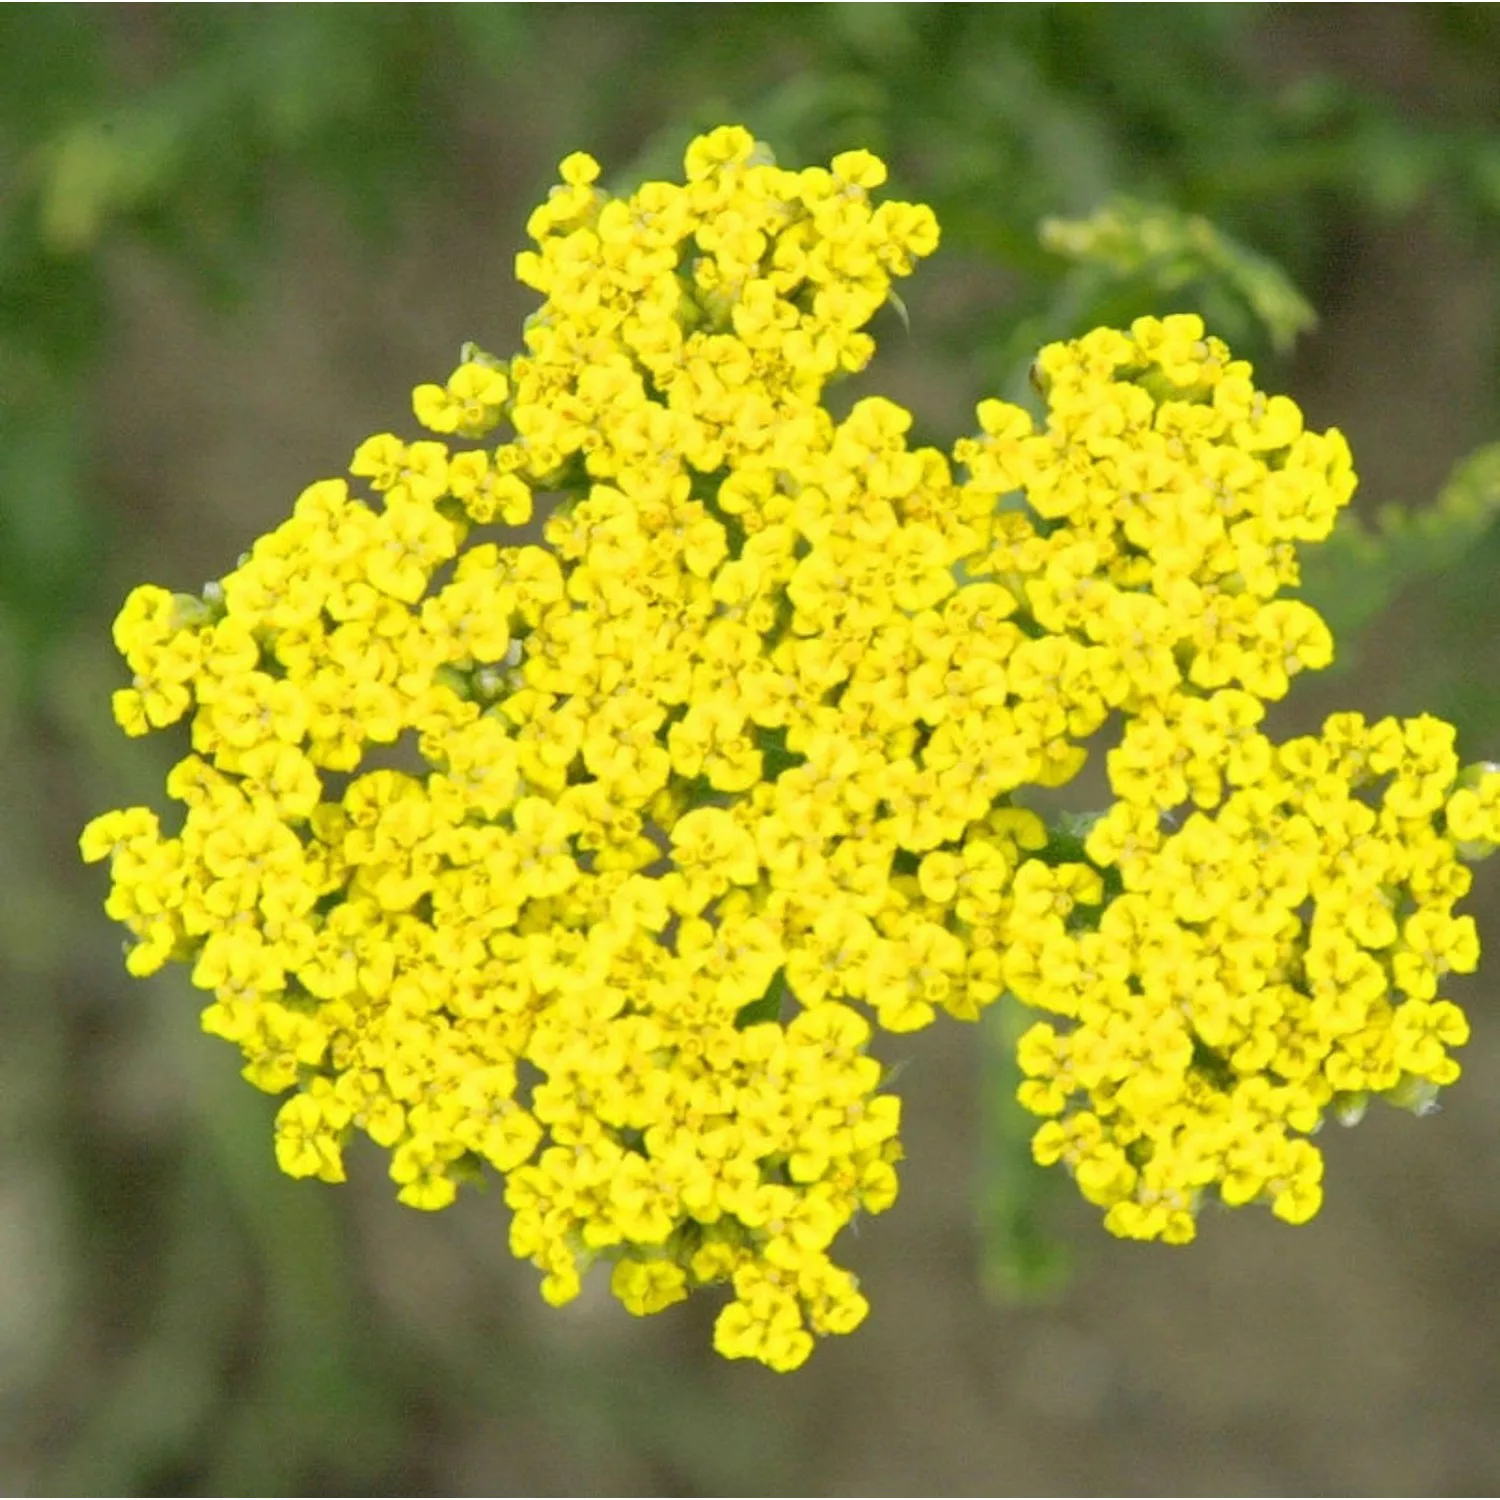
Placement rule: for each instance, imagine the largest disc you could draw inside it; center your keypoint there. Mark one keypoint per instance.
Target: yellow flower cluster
(596, 861)
(1277, 954)
(1252, 934)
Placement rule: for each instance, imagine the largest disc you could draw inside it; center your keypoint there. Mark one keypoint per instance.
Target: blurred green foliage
(1094, 161)
(1363, 566)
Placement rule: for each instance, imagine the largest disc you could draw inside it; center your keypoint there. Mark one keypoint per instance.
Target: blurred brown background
(176, 1317)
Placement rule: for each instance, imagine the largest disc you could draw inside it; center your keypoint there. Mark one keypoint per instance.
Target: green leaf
(767, 1008)
(1361, 567)
(1127, 243)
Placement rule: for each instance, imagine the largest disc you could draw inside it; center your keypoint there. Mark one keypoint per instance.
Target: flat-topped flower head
(718, 783)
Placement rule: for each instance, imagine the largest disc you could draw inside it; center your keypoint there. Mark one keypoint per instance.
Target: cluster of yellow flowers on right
(1279, 953)
(601, 862)
(1252, 934)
